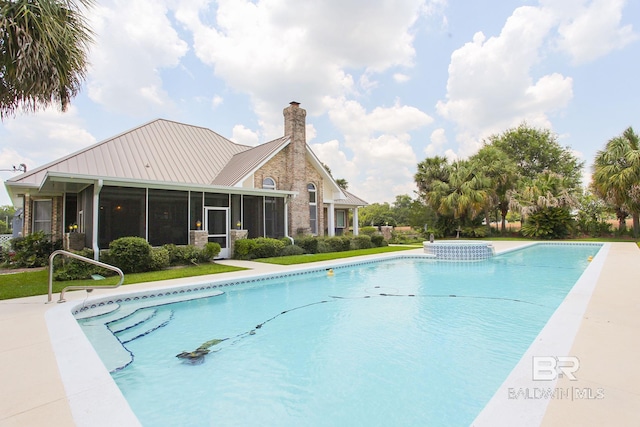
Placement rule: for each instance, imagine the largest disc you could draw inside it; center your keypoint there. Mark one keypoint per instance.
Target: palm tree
(466, 192)
(547, 190)
(502, 171)
(43, 53)
(616, 175)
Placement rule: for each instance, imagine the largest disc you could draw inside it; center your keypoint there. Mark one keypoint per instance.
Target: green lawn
(301, 259)
(18, 285)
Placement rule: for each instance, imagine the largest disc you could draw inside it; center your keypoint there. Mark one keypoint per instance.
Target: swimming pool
(405, 341)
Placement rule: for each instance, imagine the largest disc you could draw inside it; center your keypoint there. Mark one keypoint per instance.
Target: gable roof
(161, 150)
(242, 164)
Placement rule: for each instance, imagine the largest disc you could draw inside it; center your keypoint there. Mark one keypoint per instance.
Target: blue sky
(385, 84)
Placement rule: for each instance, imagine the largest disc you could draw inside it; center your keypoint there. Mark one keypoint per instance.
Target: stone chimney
(294, 127)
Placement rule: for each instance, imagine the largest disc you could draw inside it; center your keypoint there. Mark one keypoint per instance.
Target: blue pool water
(401, 342)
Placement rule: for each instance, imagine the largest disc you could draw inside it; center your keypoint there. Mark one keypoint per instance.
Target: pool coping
(35, 396)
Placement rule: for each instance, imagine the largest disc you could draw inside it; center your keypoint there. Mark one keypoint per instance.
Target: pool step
(113, 354)
(110, 326)
(131, 320)
(157, 320)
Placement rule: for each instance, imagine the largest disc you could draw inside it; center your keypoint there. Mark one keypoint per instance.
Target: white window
(42, 216)
(341, 219)
(269, 184)
(313, 209)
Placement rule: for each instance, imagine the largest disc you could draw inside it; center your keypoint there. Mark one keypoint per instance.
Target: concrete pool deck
(32, 392)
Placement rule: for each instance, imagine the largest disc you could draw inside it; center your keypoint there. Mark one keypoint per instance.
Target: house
(175, 183)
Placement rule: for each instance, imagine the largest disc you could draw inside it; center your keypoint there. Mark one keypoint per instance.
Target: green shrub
(267, 247)
(323, 247)
(286, 241)
(474, 231)
(159, 258)
(339, 243)
(291, 250)
(377, 240)
(244, 249)
(368, 231)
(548, 223)
(67, 268)
(32, 250)
(361, 242)
(210, 251)
(185, 254)
(308, 243)
(130, 254)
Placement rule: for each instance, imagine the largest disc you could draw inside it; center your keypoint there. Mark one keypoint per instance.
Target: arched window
(268, 184)
(313, 208)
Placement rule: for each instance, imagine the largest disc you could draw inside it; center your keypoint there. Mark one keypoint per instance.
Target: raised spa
(459, 250)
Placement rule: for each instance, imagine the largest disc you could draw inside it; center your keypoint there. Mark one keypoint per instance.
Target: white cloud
(244, 136)
(216, 101)
(491, 86)
(284, 50)
(383, 161)
(591, 29)
(45, 136)
(134, 41)
(401, 78)
(438, 142)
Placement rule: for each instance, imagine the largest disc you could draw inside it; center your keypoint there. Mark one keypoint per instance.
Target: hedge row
(265, 247)
(134, 255)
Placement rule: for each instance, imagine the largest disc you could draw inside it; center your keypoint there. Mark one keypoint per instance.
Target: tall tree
(616, 175)
(466, 192)
(537, 150)
(502, 171)
(43, 53)
(431, 170)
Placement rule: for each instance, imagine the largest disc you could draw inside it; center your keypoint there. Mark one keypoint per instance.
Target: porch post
(331, 222)
(355, 221)
(96, 211)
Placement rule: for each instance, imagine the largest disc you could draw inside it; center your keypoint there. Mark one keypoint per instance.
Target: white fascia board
(58, 176)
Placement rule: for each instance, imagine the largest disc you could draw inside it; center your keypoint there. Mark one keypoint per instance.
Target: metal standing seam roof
(160, 150)
(167, 151)
(242, 164)
(351, 200)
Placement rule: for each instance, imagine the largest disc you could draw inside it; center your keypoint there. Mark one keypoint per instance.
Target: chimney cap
(295, 103)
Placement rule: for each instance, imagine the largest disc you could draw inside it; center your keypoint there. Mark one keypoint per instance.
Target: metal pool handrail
(75, 288)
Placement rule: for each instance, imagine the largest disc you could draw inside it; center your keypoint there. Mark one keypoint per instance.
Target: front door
(217, 225)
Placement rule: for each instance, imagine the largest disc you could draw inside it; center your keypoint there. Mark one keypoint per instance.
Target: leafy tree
(43, 53)
(6, 215)
(536, 151)
(401, 209)
(616, 176)
(592, 214)
(376, 214)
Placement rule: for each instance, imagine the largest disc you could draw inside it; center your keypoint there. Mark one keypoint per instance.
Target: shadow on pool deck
(33, 393)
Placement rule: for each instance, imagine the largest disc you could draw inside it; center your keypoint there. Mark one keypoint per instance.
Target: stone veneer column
(73, 241)
(294, 127)
(386, 232)
(198, 238)
(236, 235)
